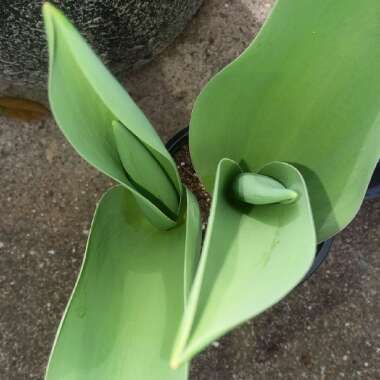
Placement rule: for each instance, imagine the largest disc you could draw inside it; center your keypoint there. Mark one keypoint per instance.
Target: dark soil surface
(191, 180)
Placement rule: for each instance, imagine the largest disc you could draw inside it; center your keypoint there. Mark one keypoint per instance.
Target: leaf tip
(51, 13)
(115, 124)
(292, 196)
(174, 364)
(177, 359)
(48, 9)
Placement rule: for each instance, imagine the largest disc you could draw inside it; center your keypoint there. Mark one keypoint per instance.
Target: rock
(126, 33)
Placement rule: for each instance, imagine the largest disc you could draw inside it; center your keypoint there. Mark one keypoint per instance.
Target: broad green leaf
(193, 241)
(252, 257)
(129, 297)
(307, 92)
(86, 99)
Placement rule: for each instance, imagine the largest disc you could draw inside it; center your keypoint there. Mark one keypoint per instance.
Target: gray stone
(126, 33)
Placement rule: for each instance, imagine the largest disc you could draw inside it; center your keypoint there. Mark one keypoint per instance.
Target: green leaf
(86, 99)
(129, 297)
(193, 241)
(252, 257)
(144, 171)
(307, 92)
(257, 189)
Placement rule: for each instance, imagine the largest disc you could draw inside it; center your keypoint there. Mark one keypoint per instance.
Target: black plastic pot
(374, 186)
(182, 138)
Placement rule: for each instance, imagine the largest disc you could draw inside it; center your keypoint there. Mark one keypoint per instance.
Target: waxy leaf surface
(307, 92)
(252, 257)
(144, 171)
(86, 100)
(129, 297)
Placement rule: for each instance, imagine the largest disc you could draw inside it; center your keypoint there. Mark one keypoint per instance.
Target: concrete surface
(327, 329)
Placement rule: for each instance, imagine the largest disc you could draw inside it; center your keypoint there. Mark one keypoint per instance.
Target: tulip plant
(285, 138)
